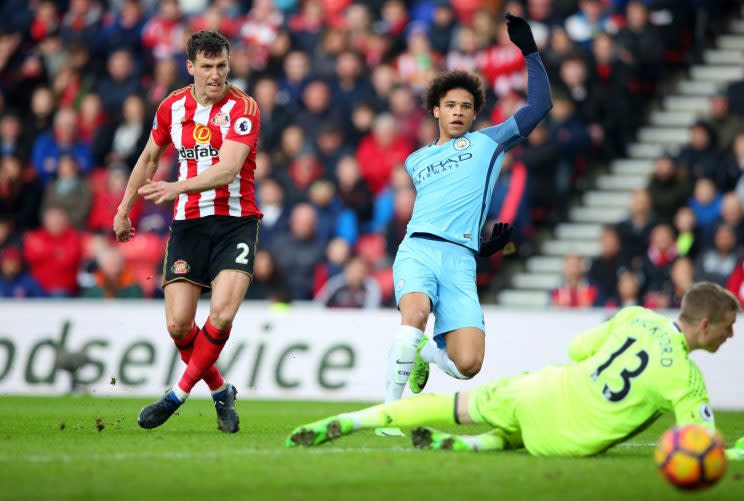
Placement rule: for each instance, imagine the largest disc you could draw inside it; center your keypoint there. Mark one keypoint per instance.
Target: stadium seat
(143, 256)
(384, 278)
(98, 179)
(371, 248)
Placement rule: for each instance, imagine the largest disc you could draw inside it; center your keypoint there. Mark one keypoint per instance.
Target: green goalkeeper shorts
(495, 405)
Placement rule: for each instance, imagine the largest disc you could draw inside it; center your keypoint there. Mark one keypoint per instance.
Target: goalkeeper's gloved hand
(736, 453)
(500, 236)
(520, 34)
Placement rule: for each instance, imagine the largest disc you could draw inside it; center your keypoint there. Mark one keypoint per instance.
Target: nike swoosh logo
(399, 362)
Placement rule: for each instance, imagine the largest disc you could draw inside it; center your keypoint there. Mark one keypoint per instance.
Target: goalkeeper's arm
(736, 453)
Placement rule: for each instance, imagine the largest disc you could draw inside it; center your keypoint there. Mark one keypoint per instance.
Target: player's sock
(488, 441)
(400, 360)
(435, 355)
(219, 390)
(422, 409)
(207, 347)
(179, 393)
(429, 438)
(212, 376)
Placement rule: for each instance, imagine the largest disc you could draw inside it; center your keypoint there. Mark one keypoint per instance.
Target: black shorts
(198, 249)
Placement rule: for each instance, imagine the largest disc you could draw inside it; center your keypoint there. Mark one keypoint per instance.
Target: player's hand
(736, 453)
(123, 227)
(500, 236)
(520, 34)
(159, 191)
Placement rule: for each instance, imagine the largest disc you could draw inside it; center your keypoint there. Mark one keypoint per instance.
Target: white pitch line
(320, 451)
(636, 444)
(122, 456)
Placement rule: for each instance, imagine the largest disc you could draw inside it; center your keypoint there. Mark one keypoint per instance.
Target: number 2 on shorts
(244, 252)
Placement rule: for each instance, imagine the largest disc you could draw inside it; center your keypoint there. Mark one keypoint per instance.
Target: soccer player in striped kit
(214, 128)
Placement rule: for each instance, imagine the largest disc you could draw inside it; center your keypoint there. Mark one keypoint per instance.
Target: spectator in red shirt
(106, 200)
(380, 151)
(502, 64)
(45, 22)
(53, 253)
(736, 282)
(575, 292)
(164, 33)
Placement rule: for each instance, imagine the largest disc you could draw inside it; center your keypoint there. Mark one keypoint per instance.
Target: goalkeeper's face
(717, 333)
(456, 112)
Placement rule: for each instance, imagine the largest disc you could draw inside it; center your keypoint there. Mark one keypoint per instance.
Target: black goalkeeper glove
(520, 34)
(500, 236)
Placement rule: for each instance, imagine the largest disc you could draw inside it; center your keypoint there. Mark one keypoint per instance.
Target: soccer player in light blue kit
(454, 177)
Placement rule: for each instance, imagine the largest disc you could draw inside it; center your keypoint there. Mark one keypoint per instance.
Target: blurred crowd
(339, 86)
(687, 225)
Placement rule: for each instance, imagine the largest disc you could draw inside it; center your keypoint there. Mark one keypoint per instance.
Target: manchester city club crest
(462, 143)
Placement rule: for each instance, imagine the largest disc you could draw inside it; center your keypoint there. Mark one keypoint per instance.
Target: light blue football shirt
(454, 182)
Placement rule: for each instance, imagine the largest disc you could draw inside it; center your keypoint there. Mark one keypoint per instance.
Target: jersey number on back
(625, 374)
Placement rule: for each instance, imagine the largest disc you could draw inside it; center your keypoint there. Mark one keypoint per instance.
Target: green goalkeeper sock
(416, 411)
(489, 441)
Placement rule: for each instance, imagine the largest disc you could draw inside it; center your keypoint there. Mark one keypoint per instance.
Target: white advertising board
(302, 352)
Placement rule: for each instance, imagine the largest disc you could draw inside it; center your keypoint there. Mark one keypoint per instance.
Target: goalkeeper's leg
(429, 409)
(429, 438)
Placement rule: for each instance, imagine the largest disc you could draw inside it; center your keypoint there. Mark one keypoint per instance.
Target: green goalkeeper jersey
(627, 371)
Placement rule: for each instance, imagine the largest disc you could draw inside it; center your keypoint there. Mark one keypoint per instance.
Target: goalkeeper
(454, 177)
(624, 374)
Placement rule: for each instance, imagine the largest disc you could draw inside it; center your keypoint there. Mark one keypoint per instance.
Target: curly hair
(454, 80)
(209, 43)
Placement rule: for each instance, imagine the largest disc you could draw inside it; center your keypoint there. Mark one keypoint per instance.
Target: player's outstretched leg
(429, 438)
(227, 415)
(321, 431)
(420, 370)
(415, 411)
(158, 413)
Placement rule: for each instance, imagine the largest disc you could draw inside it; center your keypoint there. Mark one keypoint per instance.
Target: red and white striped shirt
(197, 133)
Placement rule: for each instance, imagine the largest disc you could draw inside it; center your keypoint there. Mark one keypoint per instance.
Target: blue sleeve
(505, 132)
(347, 227)
(539, 102)
(37, 157)
(382, 211)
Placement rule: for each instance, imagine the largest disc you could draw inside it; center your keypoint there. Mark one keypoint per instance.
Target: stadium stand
(339, 85)
(677, 159)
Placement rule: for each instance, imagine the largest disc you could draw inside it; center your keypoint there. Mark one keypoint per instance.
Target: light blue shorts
(446, 273)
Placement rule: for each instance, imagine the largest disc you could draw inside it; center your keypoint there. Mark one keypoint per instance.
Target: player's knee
(469, 365)
(416, 317)
(221, 316)
(179, 330)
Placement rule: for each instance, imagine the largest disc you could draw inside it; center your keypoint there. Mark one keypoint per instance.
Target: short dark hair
(209, 43)
(454, 80)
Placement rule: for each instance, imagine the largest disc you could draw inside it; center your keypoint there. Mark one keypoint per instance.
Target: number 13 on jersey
(626, 374)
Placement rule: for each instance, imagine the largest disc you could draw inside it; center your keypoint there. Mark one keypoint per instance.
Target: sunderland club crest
(180, 267)
(221, 119)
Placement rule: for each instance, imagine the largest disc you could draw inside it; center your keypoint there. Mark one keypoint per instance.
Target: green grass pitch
(88, 447)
